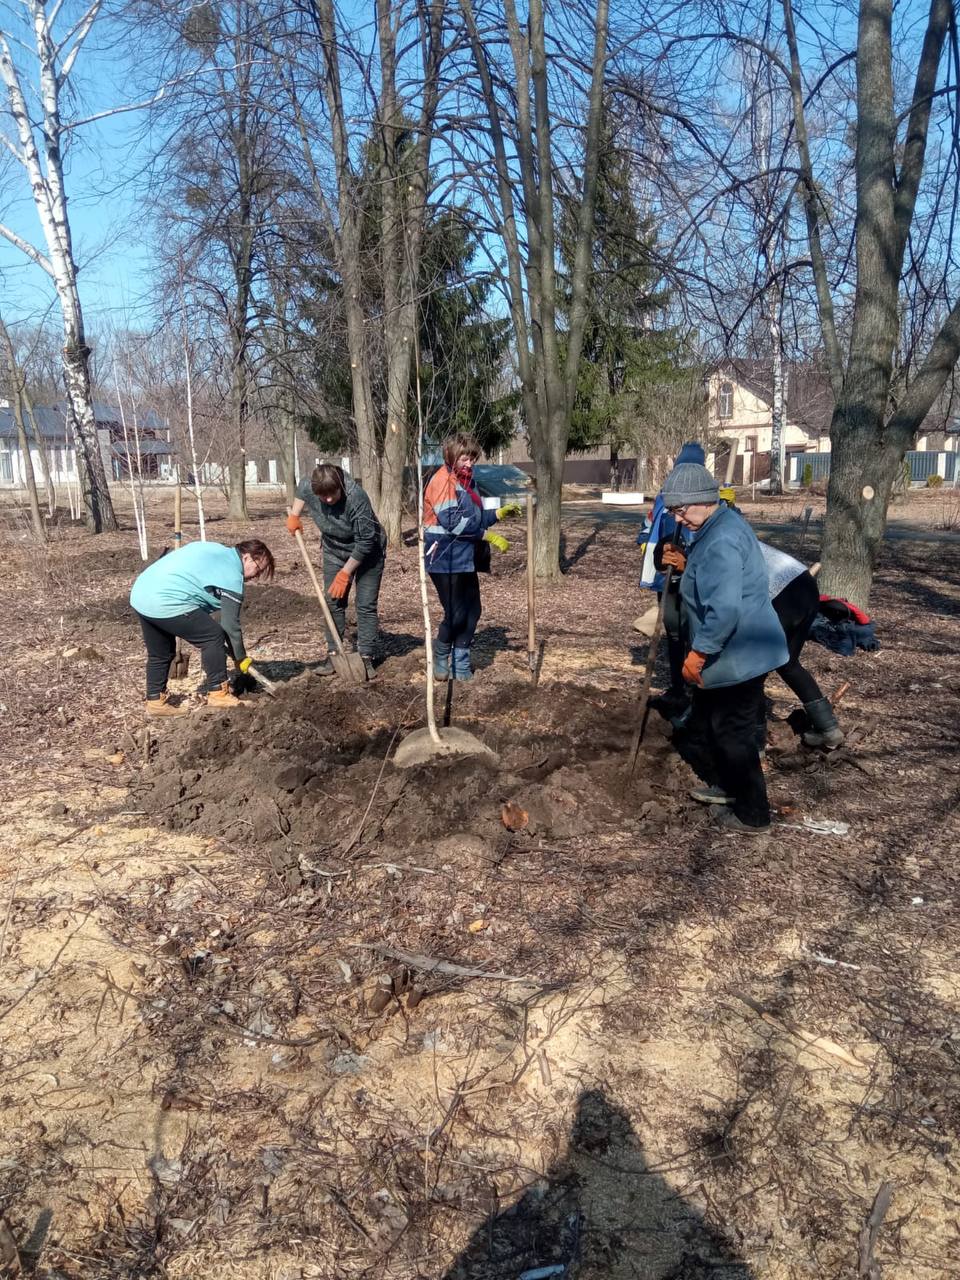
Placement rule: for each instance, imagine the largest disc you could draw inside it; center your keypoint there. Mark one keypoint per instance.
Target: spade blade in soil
(350, 667)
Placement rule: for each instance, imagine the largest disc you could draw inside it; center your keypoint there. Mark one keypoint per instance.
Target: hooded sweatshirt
(661, 524)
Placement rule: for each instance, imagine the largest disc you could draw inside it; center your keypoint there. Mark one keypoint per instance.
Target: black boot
(825, 731)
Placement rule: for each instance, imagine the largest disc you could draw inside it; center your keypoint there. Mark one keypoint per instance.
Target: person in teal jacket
(735, 640)
(177, 595)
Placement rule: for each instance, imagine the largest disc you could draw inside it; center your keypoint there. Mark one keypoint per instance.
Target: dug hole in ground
(271, 1008)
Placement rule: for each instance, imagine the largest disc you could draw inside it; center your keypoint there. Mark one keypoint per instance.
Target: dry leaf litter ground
(226, 1049)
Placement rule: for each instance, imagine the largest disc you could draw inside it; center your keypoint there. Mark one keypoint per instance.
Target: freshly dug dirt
(297, 773)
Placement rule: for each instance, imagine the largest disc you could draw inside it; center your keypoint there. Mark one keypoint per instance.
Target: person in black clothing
(354, 552)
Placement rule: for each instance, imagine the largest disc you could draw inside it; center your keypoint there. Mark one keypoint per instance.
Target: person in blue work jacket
(735, 640)
(175, 598)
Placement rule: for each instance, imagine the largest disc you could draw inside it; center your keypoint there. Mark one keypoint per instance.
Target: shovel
(266, 685)
(350, 666)
(644, 703)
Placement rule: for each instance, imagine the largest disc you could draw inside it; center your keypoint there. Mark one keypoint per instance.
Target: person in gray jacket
(354, 552)
(735, 640)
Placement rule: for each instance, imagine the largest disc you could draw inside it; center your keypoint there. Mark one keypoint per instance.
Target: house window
(725, 400)
(6, 467)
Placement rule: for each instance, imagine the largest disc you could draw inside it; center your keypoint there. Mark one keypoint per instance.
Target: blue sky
(108, 214)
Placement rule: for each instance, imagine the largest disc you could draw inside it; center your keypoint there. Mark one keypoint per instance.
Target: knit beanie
(691, 452)
(688, 483)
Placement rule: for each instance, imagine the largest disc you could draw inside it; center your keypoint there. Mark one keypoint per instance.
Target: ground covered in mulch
(271, 1007)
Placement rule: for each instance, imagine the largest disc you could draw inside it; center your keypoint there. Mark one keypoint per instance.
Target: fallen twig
(869, 1268)
(45, 972)
(13, 895)
(431, 964)
(810, 1041)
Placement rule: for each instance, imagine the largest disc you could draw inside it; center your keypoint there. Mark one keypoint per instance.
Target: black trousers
(198, 628)
(797, 606)
(720, 744)
(460, 597)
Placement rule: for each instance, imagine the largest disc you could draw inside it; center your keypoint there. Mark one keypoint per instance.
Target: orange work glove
(339, 586)
(294, 525)
(693, 664)
(675, 558)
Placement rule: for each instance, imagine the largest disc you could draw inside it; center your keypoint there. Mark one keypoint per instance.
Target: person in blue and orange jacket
(456, 527)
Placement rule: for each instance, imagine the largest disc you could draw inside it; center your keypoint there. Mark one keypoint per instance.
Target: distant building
(740, 407)
(52, 423)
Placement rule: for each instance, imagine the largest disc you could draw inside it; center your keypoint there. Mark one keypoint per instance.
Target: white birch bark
(197, 488)
(136, 497)
(52, 63)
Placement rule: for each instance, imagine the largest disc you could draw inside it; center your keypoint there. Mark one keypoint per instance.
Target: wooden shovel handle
(327, 616)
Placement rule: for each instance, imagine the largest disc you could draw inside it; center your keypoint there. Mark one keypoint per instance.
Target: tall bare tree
(872, 428)
(398, 130)
(523, 203)
(42, 73)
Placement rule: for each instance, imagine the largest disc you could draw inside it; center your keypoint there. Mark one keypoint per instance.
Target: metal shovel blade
(349, 666)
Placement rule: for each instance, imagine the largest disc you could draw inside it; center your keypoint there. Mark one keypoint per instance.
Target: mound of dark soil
(300, 770)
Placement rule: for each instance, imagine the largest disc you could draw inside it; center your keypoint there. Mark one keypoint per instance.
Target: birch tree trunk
(54, 62)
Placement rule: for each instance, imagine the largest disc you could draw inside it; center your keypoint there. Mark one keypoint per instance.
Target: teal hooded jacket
(724, 588)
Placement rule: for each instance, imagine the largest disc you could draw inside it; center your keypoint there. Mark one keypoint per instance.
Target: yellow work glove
(728, 495)
(244, 665)
(496, 540)
(509, 511)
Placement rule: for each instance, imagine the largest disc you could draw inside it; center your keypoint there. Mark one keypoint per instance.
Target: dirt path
(225, 1050)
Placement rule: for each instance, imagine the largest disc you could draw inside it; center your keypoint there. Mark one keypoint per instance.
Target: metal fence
(819, 464)
(923, 463)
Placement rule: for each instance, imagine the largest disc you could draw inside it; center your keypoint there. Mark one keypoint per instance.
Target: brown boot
(222, 697)
(162, 706)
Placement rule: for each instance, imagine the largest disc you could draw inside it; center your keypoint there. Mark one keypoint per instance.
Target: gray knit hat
(687, 483)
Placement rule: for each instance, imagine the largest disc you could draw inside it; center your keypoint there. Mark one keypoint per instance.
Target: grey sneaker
(369, 666)
(728, 821)
(324, 668)
(711, 795)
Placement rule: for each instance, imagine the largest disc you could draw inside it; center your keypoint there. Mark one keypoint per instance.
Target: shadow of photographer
(599, 1211)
